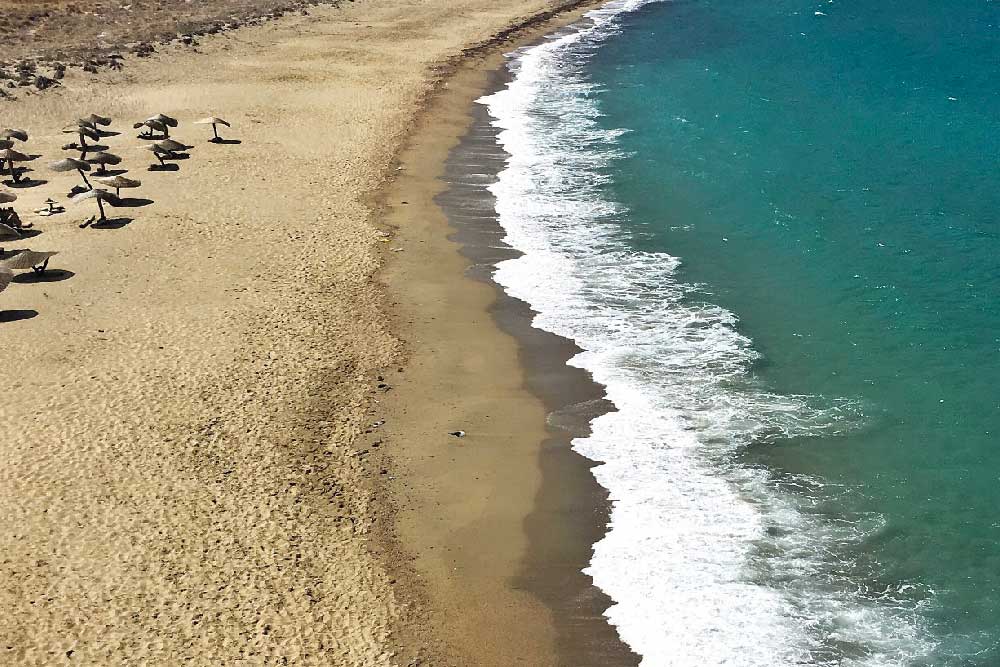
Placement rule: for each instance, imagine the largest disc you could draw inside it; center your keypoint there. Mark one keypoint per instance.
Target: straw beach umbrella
(118, 182)
(171, 145)
(70, 164)
(151, 126)
(165, 119)
(84, 132)
(214, 122)
(160, 123)
(7, 232)
(9, 134)
(102, 160)
(28, 259)
(99, 194)
(7, 198)
(95, 120)
(6, 276)
(159, 151)
(12, 156)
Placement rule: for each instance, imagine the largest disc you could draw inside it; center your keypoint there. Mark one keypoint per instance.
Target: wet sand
(500, 559)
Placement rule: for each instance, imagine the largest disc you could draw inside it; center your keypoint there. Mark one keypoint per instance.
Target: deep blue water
(831, 179)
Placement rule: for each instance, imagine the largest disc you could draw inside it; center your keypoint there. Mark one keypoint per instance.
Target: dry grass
(71, 30)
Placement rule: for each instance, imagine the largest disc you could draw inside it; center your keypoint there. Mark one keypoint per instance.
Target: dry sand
(190, 472)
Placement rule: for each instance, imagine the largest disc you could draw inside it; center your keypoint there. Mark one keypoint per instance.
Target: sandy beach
(225, 442)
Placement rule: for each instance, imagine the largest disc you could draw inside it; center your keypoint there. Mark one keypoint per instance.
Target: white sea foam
(707, 561)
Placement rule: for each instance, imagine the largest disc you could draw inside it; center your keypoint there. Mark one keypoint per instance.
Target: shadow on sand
(131, 202)
(16, 315)
(31, 232)
(110, 223)
(26, 183)
(48, 276)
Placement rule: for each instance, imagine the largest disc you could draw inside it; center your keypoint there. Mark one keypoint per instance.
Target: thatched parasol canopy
(11, 156)
(27, 259)
(83, 131)
(118, 182)
(171, 145)
(98, 120)
(214, 122)
(103, 159)
(165, 119)
(8, 232)
(8, 133)
(70, 164)
(99, 194)
(159, 151)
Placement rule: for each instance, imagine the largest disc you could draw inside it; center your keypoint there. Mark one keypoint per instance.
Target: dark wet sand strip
(499, 560)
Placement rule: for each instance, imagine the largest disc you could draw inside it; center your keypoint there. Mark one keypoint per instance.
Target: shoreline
(568, 510)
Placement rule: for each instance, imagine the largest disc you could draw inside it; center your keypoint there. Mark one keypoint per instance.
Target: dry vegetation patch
(41, 38)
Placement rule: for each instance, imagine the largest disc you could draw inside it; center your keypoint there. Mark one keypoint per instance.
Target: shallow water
(772, 228)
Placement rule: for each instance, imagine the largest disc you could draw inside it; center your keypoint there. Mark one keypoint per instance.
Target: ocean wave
(707, 560)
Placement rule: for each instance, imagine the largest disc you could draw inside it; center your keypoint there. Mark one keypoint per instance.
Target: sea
(772, 229)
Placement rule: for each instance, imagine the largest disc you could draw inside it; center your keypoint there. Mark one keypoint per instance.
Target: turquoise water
(831, 180)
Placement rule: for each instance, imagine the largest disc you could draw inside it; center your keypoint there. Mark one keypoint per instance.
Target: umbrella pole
(100, 206)
(215, 131)
(84, 177)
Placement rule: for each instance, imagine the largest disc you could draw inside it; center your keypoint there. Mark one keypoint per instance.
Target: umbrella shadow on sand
(49, 276)
(25, 234)
(110, 223)
(131, 202)
(164, 167)
(225, 142)
(16, 315)
(26, 183)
